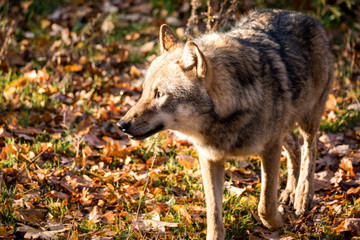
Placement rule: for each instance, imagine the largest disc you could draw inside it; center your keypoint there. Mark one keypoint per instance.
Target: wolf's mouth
(148, 134)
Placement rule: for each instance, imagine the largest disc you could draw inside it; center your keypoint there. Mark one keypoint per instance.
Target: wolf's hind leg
(305, 187)
(269, 215)
(292, 151)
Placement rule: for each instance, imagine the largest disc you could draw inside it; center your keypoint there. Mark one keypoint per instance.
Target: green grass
(6, 212)
(346, 119)
(237, 217)
(21, 110)
(57, 208)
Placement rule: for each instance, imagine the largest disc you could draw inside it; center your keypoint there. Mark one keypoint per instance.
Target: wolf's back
(272, 69)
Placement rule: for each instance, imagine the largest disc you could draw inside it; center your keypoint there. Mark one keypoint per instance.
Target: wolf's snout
(124, 126)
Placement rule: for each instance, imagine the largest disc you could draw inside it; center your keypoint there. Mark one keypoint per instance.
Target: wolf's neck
(220, 90)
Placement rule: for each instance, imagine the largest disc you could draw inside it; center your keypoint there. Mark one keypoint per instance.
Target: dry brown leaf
(135, 72)
(112, 177)
(331, 103)
(6, 151)
(33, 233)
(352, 224)
(28, 131)
(354, 191)
(234, 191)
(94, 216)
(331, 139)
(32, 216)
(157, 160)
(147, 47)
(187, 161)
(3, 232)
(84, 126)
(322, 180)
(145, 225)
(94, 141)
(340, 150)
(108, 218)
(346, 165)
(56, 194)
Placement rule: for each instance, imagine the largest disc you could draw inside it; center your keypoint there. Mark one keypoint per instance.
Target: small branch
(146, 182)
(208, 22)
(31, 162)
(220, 13)
(193, 20)
(6, 42)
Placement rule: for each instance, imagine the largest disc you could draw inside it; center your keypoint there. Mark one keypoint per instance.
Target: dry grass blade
(30, 162)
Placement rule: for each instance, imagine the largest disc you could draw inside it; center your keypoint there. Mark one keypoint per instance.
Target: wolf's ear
(193, 57)
(167, 38)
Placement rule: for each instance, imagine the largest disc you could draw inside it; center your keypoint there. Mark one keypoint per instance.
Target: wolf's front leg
(213, 178)
(269, 215)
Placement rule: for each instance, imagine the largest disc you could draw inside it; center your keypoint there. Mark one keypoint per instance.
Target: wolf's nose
(123, 125)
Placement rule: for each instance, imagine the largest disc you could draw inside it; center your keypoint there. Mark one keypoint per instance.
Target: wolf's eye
(158, 93)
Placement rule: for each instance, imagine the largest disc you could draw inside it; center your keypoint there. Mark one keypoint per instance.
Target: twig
(144, 190)
(31, 162)
(6, 42)
(220, 13)
(195, 4)
(1, 181)
(146, 182)
(208, 22)
(145, 187)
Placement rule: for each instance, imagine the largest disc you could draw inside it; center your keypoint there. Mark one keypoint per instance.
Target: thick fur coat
(240, 93)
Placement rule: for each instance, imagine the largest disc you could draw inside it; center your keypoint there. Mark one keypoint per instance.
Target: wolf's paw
(272, 223)
(303, 203)
(287, 197)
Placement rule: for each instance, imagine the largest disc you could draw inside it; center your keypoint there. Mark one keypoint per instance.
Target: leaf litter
(66, 171)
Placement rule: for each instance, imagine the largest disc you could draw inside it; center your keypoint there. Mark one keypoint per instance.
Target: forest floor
(67, 75)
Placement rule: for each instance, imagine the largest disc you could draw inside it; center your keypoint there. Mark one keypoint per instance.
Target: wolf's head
(174, 93)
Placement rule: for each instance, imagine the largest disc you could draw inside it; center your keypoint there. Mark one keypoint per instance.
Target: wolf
(240, 93)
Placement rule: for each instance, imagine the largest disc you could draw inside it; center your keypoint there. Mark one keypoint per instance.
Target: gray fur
(240, 93)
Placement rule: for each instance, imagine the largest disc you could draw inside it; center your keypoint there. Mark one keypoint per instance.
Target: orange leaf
(73, 68)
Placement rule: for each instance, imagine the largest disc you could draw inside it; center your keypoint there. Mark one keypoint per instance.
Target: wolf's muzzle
(124, 126)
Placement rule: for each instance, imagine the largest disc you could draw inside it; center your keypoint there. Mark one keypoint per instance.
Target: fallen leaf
(94, 216)
(56, 194)
(234, 191)
(147, 47)
(354, 191)
(135, 72)
(331, 139)
(340, 150)
(352, 224)
(178, 191)
(34, 233)
(108, 218)
(94, 141)
(322, 180)
(145, 225)
(32, 216)
(143, 8)
(3, 232)
(346, 165)
(84, 126)
(187, 161)
(73, 68)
